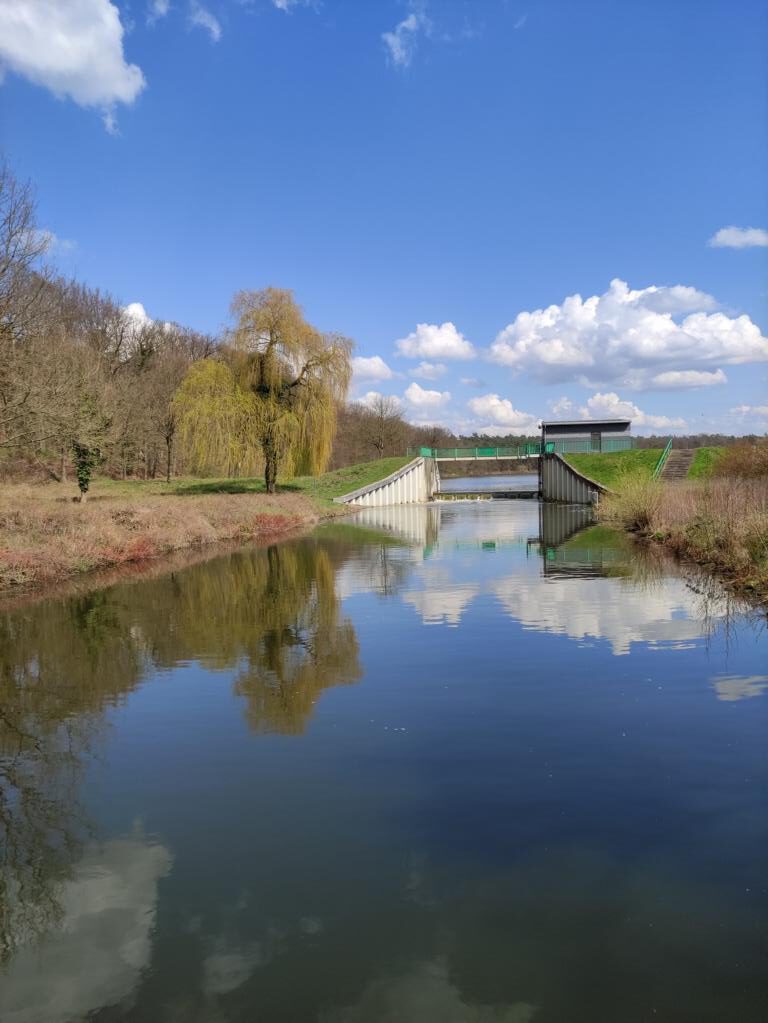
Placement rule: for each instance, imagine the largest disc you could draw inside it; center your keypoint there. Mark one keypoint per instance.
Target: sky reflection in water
(445, 763)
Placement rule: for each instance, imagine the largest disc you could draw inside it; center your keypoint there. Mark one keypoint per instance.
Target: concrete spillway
(419, 481)
(415, 483)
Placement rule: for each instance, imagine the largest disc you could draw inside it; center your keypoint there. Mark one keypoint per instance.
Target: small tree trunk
(63, 475)
(168, 457)
(270, 475)
(270, 465)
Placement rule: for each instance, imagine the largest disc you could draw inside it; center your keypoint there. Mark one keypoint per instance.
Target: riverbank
(47, 538)
(719, 524)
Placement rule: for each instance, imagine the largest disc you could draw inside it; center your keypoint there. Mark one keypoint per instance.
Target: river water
(460, 763)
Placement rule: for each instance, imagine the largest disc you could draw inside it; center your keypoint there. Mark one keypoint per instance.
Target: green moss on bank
(610, 467)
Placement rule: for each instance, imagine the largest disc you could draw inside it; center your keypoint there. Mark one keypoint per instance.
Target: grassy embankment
(611, 468)
(717, 520)
(46, 537)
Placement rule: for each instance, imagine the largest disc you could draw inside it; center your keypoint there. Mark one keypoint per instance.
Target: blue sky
(463, 166)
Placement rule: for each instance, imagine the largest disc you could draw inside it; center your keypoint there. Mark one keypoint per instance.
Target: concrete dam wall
(415, 483)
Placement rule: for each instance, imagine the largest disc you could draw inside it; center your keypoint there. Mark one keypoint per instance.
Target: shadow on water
(521, 851)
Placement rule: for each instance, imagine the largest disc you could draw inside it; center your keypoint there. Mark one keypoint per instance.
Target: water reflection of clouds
(659, 617)
(730, 688)
(441, 601)
(104, 940)
(425, 994)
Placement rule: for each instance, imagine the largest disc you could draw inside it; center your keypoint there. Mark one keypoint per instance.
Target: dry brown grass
(721, 523)
(746, 461)
(46, 537)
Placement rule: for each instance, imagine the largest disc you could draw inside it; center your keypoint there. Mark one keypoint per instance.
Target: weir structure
(419, 481)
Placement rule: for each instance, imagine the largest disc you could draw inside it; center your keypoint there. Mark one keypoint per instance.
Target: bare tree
(383, 426)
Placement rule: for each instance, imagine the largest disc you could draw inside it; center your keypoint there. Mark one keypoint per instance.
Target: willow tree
(215, 419)
(296, 376)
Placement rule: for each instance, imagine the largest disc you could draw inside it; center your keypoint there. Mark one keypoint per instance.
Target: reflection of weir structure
(416, 524)
(564, 543)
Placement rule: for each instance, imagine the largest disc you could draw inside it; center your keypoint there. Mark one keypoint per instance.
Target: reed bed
(720, 523)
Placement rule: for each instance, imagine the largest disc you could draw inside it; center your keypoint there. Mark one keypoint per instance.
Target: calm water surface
(453, 764)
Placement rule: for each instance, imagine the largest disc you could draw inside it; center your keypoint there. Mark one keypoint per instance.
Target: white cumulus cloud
(370, 398)
(201, 17)
(611, 406)
(371, 367)
(137, 315)
(421, 398)
(433, 341)
(627, 337)
(501, 412)
(429, 370)
(400, 44)
(739, 238)
(73, 48)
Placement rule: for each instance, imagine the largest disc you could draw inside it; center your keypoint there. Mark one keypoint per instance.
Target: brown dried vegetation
(45, 537)
(721, 523)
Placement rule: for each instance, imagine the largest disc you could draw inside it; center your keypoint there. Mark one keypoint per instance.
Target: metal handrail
(561, 447)
(662, 460)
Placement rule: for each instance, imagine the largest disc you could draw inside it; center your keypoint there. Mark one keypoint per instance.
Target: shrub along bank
(721, 523)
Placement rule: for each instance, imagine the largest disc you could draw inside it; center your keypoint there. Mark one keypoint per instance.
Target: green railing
(584, 445)
(519, 451)
(561, 447)
(662, 460)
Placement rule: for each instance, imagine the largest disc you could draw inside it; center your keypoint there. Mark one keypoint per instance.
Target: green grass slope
(610, 467)
(323, 488)
(704, 462)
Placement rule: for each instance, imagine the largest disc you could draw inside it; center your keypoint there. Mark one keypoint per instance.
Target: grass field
(322, 488)
(609, 468)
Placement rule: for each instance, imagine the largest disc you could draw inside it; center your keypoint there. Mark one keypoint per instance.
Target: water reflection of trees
(301, 645)
(60, 665)
(271, 616)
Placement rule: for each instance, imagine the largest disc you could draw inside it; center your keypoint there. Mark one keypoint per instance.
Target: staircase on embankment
(677, 465)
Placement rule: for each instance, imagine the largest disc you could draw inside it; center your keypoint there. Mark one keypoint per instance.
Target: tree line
(86, 385)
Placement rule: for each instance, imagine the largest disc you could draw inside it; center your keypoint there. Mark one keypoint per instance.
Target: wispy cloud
(157, 9)
(400, 44)
(201, 17)
(288, 5)
(520, 22)
(44, 238)
(739, 238)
